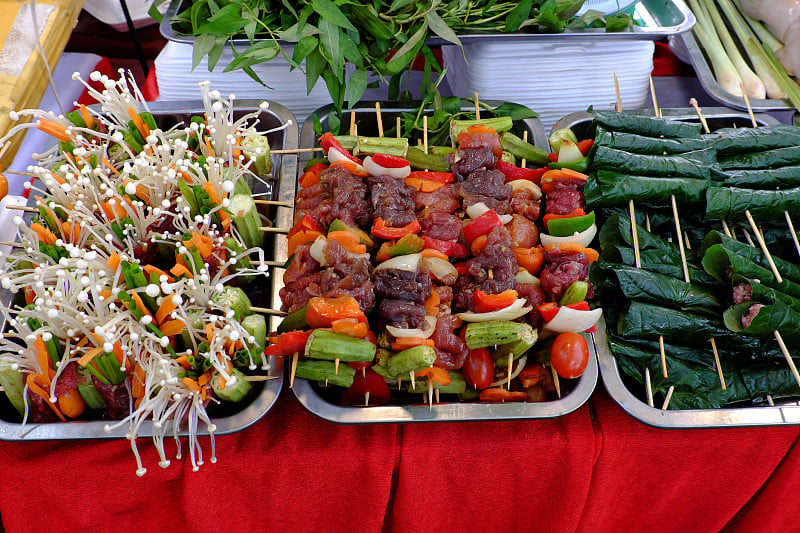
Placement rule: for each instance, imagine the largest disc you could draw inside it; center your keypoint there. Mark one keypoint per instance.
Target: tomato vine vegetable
(569, 355)
(373, 35)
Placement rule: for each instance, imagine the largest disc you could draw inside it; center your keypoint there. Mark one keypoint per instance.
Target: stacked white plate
(177, 80)
(554, 78)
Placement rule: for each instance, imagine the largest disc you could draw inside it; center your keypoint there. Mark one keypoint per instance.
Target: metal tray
(786, 414)
(313, 398)
(657, 19)
(230, 419)
(704, 73)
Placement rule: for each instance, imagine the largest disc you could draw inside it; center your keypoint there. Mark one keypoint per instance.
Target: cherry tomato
(478, 368)
(569, 355)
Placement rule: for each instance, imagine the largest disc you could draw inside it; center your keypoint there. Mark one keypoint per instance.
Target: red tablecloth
(594, 470)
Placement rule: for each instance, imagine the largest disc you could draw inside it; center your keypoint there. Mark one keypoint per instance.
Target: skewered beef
(742, 292)
(339, 194)
(523, 202)
(117, 398)
(561, 270)
(464, 162)
(492, 271)
(302, 264)
(566, 197)
(392, 200)
(523, 232)
(444, 199)
(402, 314)
(440, 225)
(403, 285)
(451, 350)
(488, 187)
(536, 297)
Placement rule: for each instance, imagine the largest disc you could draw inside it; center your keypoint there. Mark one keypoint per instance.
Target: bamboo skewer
(680, 239)
(271, 229)
(510, 368)
(524, 139)
(787, 355)
(648, 387)
(556, 381)
(398, 127)
(634, 235)
(668, 398)
(295, 357)
(380, 118)
(274, 202)
(292, 151)
(663, 356)
(616, 90)
(12, 244)
(430, 394)
(655, 101)
(718, 364)
(259, 378)
(763, 245)
(693, 103)
(352, 123)
(477, 107)
(336, 366)
(266, 311)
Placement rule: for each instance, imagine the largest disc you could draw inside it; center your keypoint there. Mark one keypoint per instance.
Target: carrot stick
(89, 355)
(87, 117)
(53, 128)
(42, 356)
(140, 124)
(140, 304)
(150, 269)
(165, 309)
(184, 362)
(191, 384)
(114, 260)
(212, 192)
(173, 327)
(180, 270)
(203, 244)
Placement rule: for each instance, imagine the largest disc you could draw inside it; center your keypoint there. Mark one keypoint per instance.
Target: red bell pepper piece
(579, 212)
(532, 374)
(289, 343)
(482, 225)
(461, 268)
(585, 145)
(550, 309)
(512, 172)
(449, 248)
(328, 141)
(305, 223)
(365, 382)
(552, 157)
(497, 395)
(486, 303)
(382, 231)
(479, 136)
(389, 161)
(311, 176)
(441, 177)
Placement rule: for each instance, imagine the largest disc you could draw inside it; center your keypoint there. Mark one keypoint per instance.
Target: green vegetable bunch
(383, 37)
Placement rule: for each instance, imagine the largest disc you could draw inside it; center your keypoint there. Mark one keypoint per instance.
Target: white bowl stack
(177, 80)
(553, 77)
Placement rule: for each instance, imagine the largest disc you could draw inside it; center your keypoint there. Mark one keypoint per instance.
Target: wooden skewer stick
(510, 368)
(271, 229)
(477, 107)
(413, 381)
(271, 263)
(680, 239)
(655, 101)
(668, 398)
(749, 107)
(295, 357)
(792, 231)
(259, 378)
(12, 244)
(26, 209)
(399, 383)
(663, 356)
(430, 394)
(726, 229)
(436, 392)
(336, 366)
(18, 173)
(718, 364)
(763, 245)
(380, 118)
(366, 399)
(266, 311)
(363, 371)
(618, 107)
(770, 401)
(648, 387)
(291, 151)
(274, 202)
(788, 356)
(634, 234)
(693, 103)
(425, 133)
(524, 139)
(352, 123)
(556, 381)
(398, 127)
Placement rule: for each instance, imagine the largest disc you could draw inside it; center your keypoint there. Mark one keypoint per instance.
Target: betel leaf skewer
(785, 213)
